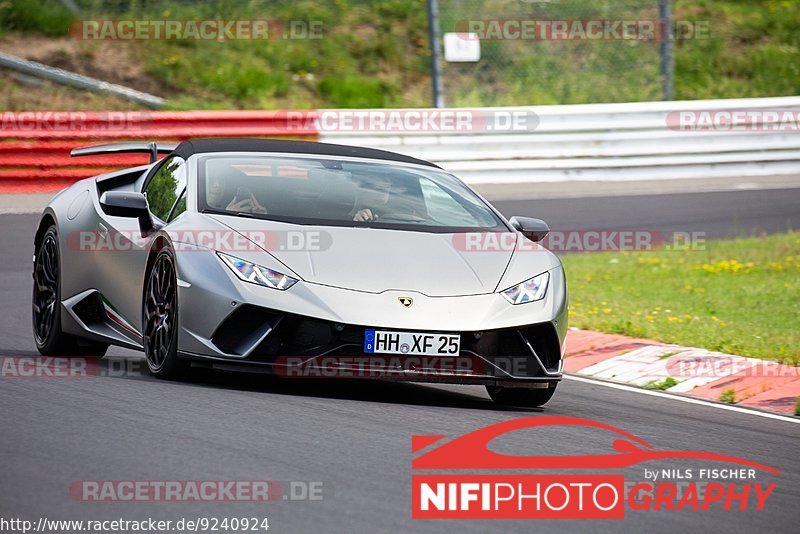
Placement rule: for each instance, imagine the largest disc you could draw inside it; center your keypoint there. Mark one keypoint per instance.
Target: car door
(122, 269)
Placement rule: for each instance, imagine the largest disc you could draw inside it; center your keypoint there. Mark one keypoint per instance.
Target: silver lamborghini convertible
(299, 259)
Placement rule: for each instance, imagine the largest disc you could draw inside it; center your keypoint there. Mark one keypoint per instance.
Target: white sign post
(462, 47)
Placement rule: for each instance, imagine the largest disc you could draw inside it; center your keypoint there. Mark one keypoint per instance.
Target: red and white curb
(700, 373)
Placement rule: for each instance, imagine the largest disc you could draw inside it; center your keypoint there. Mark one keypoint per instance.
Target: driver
(373, 194)
(244, 201)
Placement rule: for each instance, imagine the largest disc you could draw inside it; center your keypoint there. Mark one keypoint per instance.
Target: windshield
(341, 193)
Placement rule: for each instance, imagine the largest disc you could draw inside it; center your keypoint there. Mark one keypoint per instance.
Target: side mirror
(533, 229)
(127, 204)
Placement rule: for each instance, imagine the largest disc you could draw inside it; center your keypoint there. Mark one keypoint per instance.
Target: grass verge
(738, 296)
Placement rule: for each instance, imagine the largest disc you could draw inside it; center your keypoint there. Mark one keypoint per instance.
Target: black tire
(160, 317)
(525, 397)
(46, 305)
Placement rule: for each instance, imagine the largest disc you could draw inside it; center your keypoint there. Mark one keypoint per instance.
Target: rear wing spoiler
(154, 149)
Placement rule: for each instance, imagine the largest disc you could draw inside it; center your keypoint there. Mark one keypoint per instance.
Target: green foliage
(352, 92)
(362, 55)
(46, 17)
(728, 396)
(662, 385)
(753, 49)
(162, 190)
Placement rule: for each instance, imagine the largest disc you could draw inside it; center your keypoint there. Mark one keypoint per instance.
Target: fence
(597, 142)
(523, 60)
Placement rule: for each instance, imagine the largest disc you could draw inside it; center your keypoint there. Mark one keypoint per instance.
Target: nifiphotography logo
(592, 491)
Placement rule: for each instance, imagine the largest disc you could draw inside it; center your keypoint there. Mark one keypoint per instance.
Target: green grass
(754, 49)
(661, 385)
(369, 55)
(375, 53)
(738, 296)
(728, 396)
(46, 17)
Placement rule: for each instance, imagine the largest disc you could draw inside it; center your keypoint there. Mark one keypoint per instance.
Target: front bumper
(296, 346)
(225, 322)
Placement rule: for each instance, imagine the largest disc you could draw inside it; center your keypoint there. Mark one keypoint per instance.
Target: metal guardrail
(597, 142)
(80, 81)
(605, 142)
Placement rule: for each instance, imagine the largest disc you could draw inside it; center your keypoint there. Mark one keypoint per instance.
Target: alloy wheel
(159, 311)
(45, 289)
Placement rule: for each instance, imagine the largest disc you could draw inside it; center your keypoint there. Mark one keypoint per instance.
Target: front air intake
(243, 328)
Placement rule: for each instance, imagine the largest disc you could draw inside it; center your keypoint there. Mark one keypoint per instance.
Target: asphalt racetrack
(355, 437)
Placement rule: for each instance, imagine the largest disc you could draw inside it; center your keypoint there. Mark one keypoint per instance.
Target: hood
(376, 260)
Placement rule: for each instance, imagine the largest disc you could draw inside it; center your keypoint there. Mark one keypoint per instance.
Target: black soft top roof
(228, 144)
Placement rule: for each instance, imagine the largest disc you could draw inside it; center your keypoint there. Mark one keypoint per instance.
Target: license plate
(411, 343)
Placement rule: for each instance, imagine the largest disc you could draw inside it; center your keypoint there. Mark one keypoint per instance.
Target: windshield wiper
(212, 211)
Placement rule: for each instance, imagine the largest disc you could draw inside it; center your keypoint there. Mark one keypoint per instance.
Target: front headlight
(528, 291)
(256, 274)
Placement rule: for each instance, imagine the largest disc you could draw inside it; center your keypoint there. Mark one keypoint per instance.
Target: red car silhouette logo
(471, 451)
